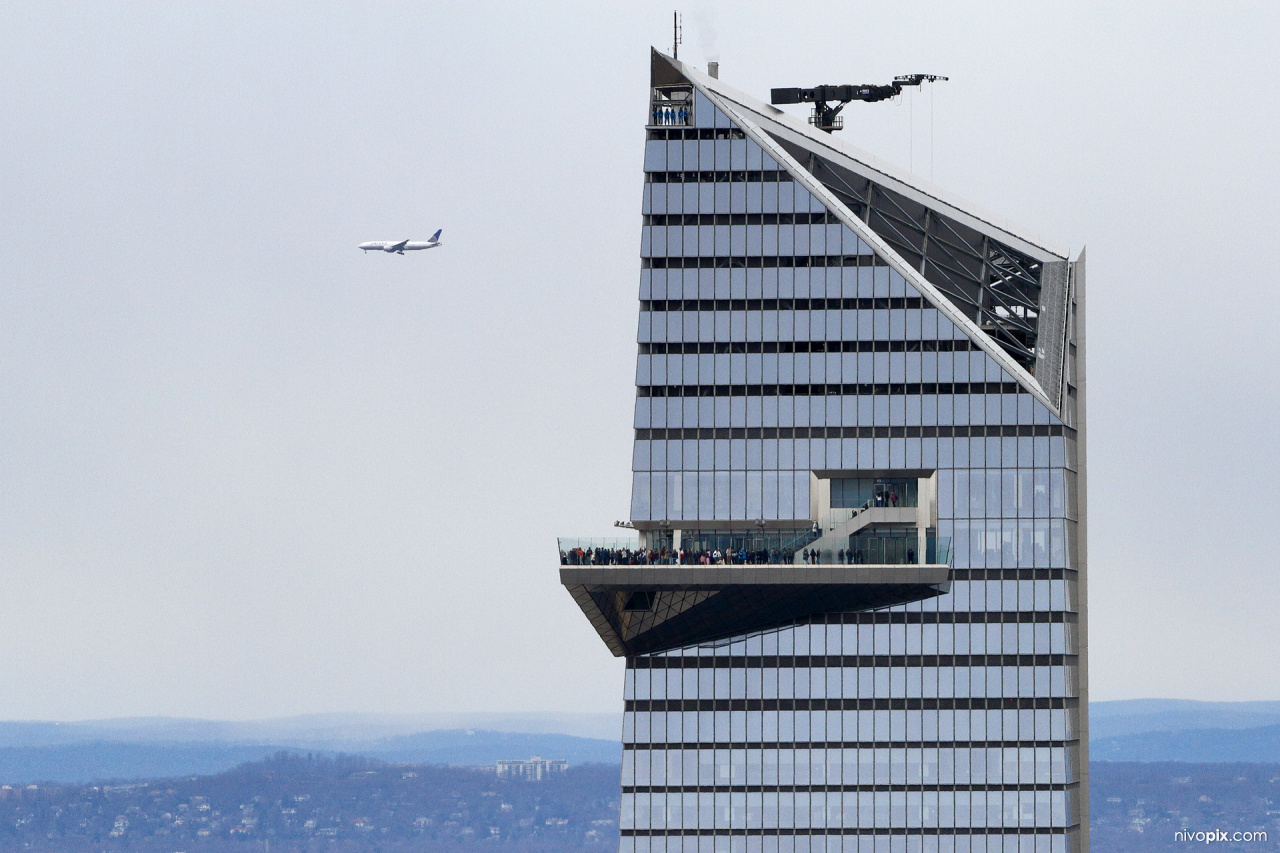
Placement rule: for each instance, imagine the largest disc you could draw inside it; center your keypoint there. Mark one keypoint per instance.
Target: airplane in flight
(403, 246)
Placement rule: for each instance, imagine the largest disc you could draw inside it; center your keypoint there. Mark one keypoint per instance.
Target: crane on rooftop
(828, 101)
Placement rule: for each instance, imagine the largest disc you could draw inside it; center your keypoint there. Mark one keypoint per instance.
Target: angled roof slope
(774, 121)
(1005, 287)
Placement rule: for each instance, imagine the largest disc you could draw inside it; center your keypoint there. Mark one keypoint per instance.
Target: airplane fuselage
(398, 247)
(401, 246)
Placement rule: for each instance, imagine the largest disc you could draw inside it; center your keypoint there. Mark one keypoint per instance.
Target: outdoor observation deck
(671, 106)
(654, 606)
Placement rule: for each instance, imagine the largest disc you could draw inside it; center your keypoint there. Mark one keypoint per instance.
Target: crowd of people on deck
(670, 557)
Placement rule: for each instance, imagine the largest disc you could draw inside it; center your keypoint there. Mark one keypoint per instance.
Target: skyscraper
(855, 619)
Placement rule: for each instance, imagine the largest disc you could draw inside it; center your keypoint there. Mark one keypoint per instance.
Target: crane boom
(826, 114)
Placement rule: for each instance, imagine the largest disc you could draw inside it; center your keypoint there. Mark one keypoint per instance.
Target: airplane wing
(397, 247)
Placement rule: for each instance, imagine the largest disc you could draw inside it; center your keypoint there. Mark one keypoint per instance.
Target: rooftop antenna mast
(677, 35)
(826, 116)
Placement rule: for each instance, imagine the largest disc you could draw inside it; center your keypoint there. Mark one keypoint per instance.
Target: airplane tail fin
(435, 238)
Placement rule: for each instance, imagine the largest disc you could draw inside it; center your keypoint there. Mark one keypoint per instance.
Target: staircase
(832, 541)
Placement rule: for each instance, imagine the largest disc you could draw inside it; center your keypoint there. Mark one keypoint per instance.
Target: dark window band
(760, 261)
(729, 347)
(948, 703)
(680, 219)
(696, 133)
(853, 389)
(720, 176)
(1013, 574)
(832, 788)
(808, 661)
(948, 617)
(944, 617)
(869, 832)
(964, 431)
(847, 744)
(817, 303)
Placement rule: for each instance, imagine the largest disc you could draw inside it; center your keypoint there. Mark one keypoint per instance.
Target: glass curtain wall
(774, 342)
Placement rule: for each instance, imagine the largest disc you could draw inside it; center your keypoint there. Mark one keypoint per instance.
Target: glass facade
(778, 349)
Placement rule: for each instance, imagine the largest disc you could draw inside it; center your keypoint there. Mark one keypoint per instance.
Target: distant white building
(534, 769)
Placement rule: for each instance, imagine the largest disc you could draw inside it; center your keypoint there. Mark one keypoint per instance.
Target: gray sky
(246, 470)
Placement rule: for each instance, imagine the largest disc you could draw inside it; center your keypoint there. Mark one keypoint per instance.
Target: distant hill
(1259, 745)
(310, 731)
(290, 804)
(471, 748)
(1143, 730)
(1182, 730)
(78, 763)
(81, 763)
(300, 805)
(1135, 716)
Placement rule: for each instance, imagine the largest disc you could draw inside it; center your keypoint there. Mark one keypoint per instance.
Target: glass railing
(883, 551)
(696, 551)
(766, 548)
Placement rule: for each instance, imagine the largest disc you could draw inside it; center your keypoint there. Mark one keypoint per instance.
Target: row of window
(971, 602)
(966, 432)
(907, 703)
(998, 574)
(853, 841)
(721, 176)
(822, 410)
(835, 784)
(713, 158)
(706, 155)
(923, 612)
(995, 840)
(725, 262)
(795, 325)
(677, 195)
(870, 278)
(1007, 493)
(827, 388)
(753, 747)
(734, 154)
(697, 133)
(867, 657)
(862, 766)
(759, 454)
(703, 498)
(1036, 726)
(847, 809)
(852, 368)
(809, 346)
(973, 546)
(822, 217)
(777, 282)
(828, 633)
(886, 632)
(778, 674)
(803, 303)
(999, 456)
(763, 241)
(929, 682)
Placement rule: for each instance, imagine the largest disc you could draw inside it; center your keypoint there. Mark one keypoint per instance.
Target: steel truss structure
(998, 287)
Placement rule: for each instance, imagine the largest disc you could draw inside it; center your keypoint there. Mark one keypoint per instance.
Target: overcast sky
(246, 470)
